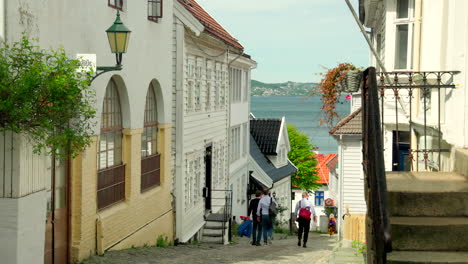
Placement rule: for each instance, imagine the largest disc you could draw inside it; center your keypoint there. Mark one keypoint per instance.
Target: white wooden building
(207, 140)
(269, 164)
(31, 216)
(350, 174)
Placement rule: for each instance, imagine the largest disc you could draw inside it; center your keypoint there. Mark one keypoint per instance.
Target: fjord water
(304, 113)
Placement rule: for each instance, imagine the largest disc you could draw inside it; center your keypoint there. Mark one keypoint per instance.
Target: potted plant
(334, 82)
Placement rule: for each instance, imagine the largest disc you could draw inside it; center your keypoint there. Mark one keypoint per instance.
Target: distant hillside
(281, 89)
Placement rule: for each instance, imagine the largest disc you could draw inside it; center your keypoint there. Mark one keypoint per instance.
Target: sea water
(304, 113)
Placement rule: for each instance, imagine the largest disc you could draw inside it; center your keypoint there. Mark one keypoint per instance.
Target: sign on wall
(88, 61)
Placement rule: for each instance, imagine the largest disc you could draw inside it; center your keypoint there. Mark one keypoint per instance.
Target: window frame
(409, 21)
(116, 6)
(320, 195)
(152, 17)
(110, 187)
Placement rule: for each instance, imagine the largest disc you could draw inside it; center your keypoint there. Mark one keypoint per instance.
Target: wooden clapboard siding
(353, 177)
(21, 171)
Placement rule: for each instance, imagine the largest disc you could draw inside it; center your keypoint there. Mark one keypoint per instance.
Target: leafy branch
(45, 95)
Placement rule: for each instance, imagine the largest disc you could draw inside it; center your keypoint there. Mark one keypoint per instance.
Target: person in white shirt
(304, 211)
(264, 215)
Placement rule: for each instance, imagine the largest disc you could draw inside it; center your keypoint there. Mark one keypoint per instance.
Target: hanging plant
(45, 96)
(330, 89)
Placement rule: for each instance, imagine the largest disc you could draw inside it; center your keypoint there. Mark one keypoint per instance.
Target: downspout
(416, 66)
(340, 219)
(179, 125)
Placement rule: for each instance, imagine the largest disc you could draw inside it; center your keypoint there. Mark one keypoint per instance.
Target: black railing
(414, 100)
(222, 199)
(378, 227)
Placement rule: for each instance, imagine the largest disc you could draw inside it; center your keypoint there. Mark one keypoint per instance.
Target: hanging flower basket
(352, 81)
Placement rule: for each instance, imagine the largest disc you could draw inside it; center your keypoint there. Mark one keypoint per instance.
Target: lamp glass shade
(118, 35)
(118, 41)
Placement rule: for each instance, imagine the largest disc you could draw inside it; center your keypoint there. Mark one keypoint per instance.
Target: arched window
(150, 159)
(111, 175)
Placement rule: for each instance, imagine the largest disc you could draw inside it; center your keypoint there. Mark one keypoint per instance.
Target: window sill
(116, 7)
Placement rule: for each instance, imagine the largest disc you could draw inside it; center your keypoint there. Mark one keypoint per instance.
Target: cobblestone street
(319, 251)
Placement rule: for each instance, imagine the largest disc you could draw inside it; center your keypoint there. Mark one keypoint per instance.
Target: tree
(45, 96)
(303, 157)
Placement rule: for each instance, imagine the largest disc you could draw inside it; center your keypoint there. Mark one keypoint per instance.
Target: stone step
(215, 224)
(211, 239)
(209, 231)
(427, 194)
(216, 218)
(416, 257)
(429, 233)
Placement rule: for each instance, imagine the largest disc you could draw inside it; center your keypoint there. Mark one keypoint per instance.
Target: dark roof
(211, 26)
(350, 125)
(274, 173)
(266, 133)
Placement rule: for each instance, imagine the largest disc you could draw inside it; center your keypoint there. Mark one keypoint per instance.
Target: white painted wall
(22, 228)
(282, 189)
(57, 23)
(351, 177)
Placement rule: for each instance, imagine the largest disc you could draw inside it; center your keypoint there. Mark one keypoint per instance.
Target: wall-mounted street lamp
(119, 36)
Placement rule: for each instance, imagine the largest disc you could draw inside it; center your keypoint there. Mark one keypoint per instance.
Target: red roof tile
(322, 168)
(211, 26)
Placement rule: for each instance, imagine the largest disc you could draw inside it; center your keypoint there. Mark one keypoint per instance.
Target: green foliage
(359, 246)
(162, 241)
(303, 157)
(45, 96)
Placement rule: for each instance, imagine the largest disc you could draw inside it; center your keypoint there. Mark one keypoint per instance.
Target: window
(111, 174)
(234, 148)
(150, 159)
(244, 140)
(319, 198)
(117, 4)
(155, 10)
(235, 80)
(403, 34)
(247, 86)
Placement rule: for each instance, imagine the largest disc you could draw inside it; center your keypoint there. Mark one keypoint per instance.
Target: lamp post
(119, 36)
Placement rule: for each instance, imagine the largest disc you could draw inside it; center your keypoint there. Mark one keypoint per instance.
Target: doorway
(400, 153)
(56, 237)
(208, 187)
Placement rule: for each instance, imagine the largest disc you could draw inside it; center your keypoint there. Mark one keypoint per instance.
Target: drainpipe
(179, 126)
(416, 67)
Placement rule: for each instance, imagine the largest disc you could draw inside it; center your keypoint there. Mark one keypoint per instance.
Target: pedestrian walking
(257, 227)
(304, 212)
(263, 215)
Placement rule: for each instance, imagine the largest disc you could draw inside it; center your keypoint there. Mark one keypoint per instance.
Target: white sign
(88, 61)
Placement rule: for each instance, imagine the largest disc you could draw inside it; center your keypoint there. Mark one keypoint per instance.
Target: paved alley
(319, 251)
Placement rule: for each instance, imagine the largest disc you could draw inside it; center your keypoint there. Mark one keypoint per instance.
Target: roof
(265, 132)
(211, 26)
(349, 125)
(323, 166)
(265, 164)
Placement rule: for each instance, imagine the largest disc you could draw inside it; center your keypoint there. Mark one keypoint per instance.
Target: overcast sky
(292, 40)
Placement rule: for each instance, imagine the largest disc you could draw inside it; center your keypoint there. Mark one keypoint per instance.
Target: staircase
(429, 215)
(215, 229)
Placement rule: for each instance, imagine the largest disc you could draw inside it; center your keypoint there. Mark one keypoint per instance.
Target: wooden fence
(354, 227)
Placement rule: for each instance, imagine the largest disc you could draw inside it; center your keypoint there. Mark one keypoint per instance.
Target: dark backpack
(272, 210)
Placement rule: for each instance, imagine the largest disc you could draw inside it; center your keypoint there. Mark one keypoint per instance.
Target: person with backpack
(257, 228)
(267, 208)
(304, 212)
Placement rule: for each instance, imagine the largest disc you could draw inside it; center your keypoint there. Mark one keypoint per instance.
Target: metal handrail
(227, 212)
(374, 170)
